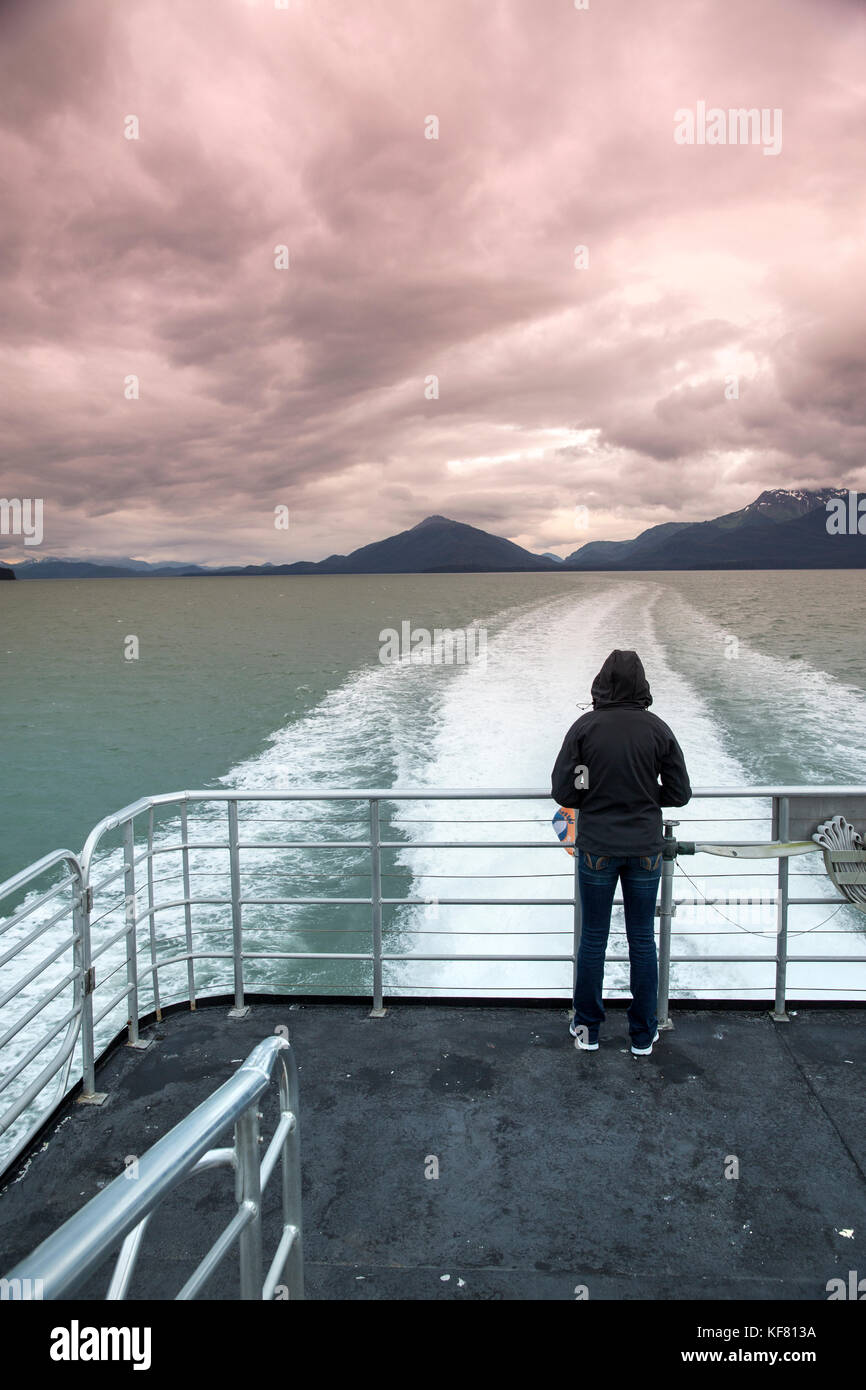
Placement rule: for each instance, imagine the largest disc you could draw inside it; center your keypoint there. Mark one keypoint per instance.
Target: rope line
(748, 930)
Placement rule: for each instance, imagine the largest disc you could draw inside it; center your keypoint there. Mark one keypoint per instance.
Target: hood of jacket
(621, 681)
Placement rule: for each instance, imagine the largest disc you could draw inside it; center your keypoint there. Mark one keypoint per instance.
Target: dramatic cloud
(601, 378)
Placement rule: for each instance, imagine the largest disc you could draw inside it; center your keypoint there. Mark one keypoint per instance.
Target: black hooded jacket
(625, 751)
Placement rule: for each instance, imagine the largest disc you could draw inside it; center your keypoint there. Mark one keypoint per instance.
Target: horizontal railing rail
(121, 1212)
(170, 900)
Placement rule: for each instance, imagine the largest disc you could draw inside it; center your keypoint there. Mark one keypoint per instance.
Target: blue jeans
(597, 879)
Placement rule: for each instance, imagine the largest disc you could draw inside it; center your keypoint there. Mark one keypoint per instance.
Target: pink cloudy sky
(411, 257)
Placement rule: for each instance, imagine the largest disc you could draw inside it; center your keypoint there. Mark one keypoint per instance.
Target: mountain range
(780, 530)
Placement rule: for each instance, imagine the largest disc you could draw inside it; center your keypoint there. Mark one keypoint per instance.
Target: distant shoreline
(789, 530)
(735, 568)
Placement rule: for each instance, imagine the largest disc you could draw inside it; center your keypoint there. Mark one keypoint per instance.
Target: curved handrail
(68, 1256)
(146, 803)
(39, 866)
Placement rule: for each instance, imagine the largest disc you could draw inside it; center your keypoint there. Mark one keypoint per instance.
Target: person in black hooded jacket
(618, 765)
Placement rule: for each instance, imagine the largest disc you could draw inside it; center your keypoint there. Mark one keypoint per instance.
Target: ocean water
(275, 684)
(234, 674)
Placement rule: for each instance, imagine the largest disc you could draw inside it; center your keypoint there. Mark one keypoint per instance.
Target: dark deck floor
(556, 1168)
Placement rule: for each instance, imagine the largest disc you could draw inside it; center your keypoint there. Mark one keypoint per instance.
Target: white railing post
(249, 1197)
(187, 909)
(81, 929)
(666, 912)
(291, 1164)
(131, 914)
(81, 910)
(378, 1009)
(240, 1008)
(782, 819)
(151, 918)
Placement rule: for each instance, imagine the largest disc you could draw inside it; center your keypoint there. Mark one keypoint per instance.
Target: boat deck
(556, 1168)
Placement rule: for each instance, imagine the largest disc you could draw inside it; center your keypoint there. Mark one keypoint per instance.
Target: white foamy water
(502, 726)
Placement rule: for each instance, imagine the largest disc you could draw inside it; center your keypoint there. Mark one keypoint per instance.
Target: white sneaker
(645, 1051)
(579, 1040)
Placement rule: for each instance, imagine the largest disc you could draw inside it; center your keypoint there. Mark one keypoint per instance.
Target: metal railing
(137, 938)
(60, 974)
(122, 1211)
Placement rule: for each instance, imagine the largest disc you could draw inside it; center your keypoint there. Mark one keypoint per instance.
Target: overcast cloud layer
(412, 257)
